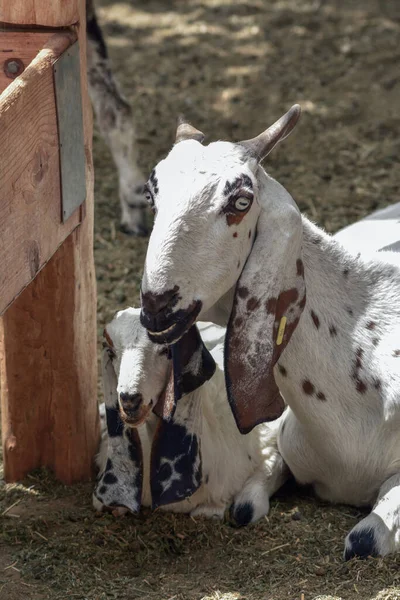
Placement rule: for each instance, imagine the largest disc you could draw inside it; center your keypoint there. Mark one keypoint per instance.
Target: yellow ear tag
(281, 331)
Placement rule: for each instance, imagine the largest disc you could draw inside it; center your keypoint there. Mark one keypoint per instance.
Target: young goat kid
(152, 461)
(304, 317)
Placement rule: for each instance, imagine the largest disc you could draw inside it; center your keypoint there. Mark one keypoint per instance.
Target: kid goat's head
(221, 224)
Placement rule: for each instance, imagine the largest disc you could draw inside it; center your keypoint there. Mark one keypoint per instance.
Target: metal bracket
(67, 79)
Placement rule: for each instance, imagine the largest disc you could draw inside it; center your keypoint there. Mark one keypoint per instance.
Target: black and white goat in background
(114, 119)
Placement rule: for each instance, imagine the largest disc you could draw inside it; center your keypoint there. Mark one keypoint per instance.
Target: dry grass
(65, 551)
(232, 67)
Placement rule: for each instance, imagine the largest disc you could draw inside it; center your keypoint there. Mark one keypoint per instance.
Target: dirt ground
(232, 68)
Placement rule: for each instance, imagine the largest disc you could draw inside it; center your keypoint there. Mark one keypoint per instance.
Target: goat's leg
(252, 502)
(114, 118)
(379, 533)
(210, 511)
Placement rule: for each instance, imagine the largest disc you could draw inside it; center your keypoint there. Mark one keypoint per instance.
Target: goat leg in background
(379, 533)
(114, 118)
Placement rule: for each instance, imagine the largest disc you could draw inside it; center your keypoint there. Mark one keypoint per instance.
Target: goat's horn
(185, 131)
(261, 146)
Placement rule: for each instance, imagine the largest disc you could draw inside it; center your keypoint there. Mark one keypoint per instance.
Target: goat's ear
(120, 482)
(175, 465)
(269, 299)
(175, 454)
(185, 131)
(261, 146)
(192, 365)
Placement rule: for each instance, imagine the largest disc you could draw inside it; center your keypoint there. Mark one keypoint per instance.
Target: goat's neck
(347, 314)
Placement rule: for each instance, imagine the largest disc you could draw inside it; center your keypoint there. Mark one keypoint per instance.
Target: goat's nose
(153, 304)
(130, 403)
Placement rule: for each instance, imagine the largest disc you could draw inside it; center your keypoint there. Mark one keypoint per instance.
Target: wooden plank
(48, 366)
(47, 13)
(30, 198)
(21, 47)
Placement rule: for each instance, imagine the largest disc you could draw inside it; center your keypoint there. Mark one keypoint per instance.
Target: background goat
(144, 460)
(114, 119)
(305, 317)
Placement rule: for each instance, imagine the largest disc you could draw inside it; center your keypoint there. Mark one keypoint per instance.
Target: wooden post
(48, 366)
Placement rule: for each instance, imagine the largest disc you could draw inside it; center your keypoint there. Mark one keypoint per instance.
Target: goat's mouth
(177, 325)
(138, 418)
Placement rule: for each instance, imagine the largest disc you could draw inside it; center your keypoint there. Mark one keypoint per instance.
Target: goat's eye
(242, 203)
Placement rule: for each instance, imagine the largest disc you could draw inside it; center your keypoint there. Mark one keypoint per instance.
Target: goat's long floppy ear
(120, 483)
(269, 299)
(175, 464)
(175, 468)
(185, 131)
(260, 146)
(192, 365)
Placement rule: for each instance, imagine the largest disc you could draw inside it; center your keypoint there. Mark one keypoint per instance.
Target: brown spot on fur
(243, 292)
(315, 319)
(286, 298)
(396, 353)
(308, 387)
(282, 370)
(332, 330)
(377, 383)
(108, 339)
(371, 325)
(270, 305)
(250, 234)
(345, 272)
(300, 267)
(361, 386)
(321, 396)
(235, 234)
(358, 362)
(238, 322)
(253, 303)
(234, 219)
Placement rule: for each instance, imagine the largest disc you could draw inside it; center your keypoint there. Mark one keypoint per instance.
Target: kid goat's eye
(242, 203)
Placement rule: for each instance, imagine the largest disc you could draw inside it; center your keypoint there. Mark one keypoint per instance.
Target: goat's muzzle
(133, 411)
(169, 329)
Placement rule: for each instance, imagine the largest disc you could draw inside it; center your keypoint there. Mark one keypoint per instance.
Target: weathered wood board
(48, 364)
(20, 47)
(47, 13)
(30, 198)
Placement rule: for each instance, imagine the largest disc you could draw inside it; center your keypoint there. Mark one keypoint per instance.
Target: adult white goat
(197, 455)
(229, 245)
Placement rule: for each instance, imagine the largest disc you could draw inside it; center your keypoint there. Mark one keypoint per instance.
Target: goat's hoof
(242, 514)
(360, 543)
(138, 230)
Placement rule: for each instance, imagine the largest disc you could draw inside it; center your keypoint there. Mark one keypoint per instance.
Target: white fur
(347, 445)
(238, 469)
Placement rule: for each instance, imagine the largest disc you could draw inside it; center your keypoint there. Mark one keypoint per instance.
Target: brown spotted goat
(306, 320)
